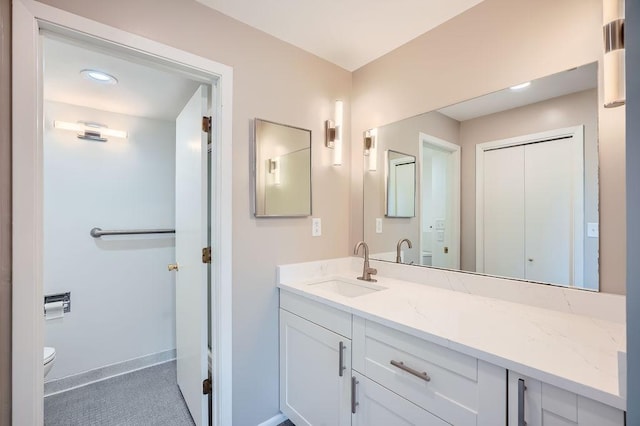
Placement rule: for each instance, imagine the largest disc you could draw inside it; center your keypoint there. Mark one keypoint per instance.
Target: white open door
(191, 238)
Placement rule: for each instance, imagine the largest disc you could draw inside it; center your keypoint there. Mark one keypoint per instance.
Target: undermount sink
(347, 288)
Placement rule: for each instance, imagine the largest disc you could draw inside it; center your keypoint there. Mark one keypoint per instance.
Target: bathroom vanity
(429, 349)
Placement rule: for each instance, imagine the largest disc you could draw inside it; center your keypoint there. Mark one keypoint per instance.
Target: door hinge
(206, 124)
(206, 255)
(207, 386)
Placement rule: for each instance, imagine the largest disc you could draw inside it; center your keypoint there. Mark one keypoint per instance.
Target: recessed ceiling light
(99, 76)
(520, 86)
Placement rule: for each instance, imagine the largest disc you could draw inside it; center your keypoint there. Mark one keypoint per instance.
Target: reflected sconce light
(90, 131)
(371, 149)
(274, 169)
(614, 56)
(333, 134)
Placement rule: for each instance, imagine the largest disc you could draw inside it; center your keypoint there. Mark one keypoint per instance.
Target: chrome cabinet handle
(341, 366)
(354, 403)
(521, 389)
(421, 375)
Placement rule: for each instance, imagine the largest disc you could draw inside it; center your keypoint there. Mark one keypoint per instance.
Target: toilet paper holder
(65, 298)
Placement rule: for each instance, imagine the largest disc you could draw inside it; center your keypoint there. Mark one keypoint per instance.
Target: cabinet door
(312, 391)
(542, 404)
(375, 405)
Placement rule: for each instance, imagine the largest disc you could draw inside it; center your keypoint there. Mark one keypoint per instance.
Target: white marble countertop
(574, 352)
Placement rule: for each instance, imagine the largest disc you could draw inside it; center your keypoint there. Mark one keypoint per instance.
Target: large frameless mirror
(282, 170)
(506, 184)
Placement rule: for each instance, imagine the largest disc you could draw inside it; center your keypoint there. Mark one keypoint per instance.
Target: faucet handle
(372, 271)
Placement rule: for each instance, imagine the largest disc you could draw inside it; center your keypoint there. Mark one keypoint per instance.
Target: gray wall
(5, 212)
(632, 38)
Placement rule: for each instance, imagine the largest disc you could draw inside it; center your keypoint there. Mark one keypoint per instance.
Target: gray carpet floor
(144, 397)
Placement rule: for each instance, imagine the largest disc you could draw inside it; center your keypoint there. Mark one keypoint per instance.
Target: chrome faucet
(398, 247)
(366, 270)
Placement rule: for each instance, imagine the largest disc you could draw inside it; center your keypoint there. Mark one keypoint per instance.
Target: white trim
(75, 381)
(577, 133)
(29, 17)
(455, 151)
(275, 420)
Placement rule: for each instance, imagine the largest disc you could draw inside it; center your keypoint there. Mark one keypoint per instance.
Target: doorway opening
(125, 167)
(88, 165)
(440, 203)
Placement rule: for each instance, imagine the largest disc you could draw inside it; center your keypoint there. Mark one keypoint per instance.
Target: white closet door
(549, 213)
(504, 214)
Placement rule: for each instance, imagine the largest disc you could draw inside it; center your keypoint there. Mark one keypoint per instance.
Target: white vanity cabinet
(450, 387)
(315, 362)
(534, 403)
(374, 405)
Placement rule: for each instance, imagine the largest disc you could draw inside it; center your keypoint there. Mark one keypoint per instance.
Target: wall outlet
(316, 227)
(378, 225)
(593, 230)
(440, 224)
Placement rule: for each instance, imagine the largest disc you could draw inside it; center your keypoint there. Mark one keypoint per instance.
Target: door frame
(29, 17)
(455, 150)
(577, 221)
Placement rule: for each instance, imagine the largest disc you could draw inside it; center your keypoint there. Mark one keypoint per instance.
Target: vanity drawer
(331, 318)
(451, 389)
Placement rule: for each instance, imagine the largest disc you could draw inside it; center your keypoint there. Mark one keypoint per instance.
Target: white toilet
(49, 359)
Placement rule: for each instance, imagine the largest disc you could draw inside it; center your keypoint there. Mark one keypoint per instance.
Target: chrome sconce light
(333, 134)
(274, 169)
(90, 131)
(371, 149)
(614, 56)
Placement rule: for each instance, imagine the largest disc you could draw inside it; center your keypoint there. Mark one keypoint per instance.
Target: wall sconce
(333, 134)
(274, 169)
(371, 149)
(614, 57)
(90, 131)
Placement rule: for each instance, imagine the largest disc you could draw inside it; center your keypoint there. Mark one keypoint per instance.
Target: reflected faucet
(366, 270)
(398, 247)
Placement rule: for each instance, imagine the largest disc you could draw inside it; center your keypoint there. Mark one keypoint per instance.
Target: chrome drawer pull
(424, 376)
(341, 366)
(521, 389)
(354, 403)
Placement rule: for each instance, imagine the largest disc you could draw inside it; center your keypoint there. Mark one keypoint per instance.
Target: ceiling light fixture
(99, 76)
(90, 131)
(520, 86)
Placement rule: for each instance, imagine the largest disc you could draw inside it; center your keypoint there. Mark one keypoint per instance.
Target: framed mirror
(282, 170)
(400, 174)
(506, 184)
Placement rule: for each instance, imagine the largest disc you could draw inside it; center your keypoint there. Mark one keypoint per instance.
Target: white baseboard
(275, 420)
(64, 384)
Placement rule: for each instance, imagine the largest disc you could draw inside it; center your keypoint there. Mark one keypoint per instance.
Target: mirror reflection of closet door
(504, 214)
(528, 214)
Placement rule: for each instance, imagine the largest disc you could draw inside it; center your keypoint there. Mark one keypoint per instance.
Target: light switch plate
(593, 229)
(440, 236)
(316, 227)
(378, 225)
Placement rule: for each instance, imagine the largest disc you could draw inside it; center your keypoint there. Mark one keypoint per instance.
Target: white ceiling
(559, 84)
(348, 33)
(142, 91)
